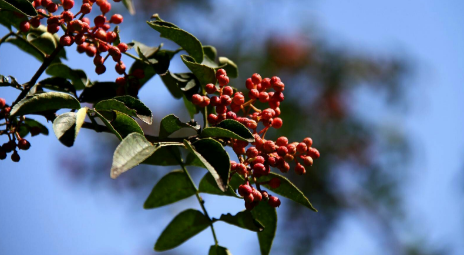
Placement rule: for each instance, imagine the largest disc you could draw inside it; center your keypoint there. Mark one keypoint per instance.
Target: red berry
(91, 50)
(205, 102)
(35, 22)
(99, 21)
(256, 78)
(274, 80)
(120, 68)
(249, 198)
(300, 169)
(308, 141)
(86, 8)
(121, 81)
(67, 16)
(105, 8)
(2, 154)
(225, 100)
(215, 101)
(52, 7)
(116, 19)
(314, 153)
(244, 190)
(252, 152)
(227, 90)
(263, 97)
(79, 39)
(221, 109)
(81, 48)
(68, 4)
(223, 80)
(241, 169)
(110, 37)
(212, 119)
(274, 183)
(116, 54)
(103, 47)
(53, 28)
(100, 34)
(122, 47)
(253, 94)
(274, 201)
(265, 83)
(86, 20)
(308, 161)
(100, 69)
(279, 86)
(76, 25)
(45, 3)
(2, 102)
(301, 148)
(66, 40)
(258, 169)
(231, 115)
(291, 149)
(23, 144)
(210, 88)
(15, 157)
(257, 195)
(277, 123)
(238, 99)
(282, 141)
(269, 146)
(24, 26)
(282, 151)
(197, 99)
(220, 72)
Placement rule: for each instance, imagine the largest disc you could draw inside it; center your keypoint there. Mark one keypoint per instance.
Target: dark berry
(274, 201)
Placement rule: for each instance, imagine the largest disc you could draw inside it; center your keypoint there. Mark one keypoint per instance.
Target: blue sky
(43, 212)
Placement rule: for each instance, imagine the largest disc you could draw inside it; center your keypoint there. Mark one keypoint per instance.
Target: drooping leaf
(204, 74)
(108, 125)
(30, 123)
(67, 126)
(218, 250)
(170, 124)
(184, 226)
(184, 39)
(210, 52)
(22, 6)
(9, 18)
(77, 76)
(267, 215)
(99, 91)
(208, 185)
(129, 6)
(45, 41)
(230, 67)
(171, 84)
(142, 111)
(214, 158)
(221, 132)
(165, 155)
(58, 84)
(45, 101)
(243, 219)
(124, 124)
(171, 188)
(238, 128)
(27, 47)
(287, 189)
(132, 151)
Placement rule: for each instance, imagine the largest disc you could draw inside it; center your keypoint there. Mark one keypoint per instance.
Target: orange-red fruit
(121, 81)
(282, 141)
(269, 146)
(313, 152)
(197, 99)
(301, 147)
(120, 68)
(256, 78)
(220, 72)
(244, 190)
(257, 196)
(52, 7)
(277, 123)
(99, 20)
(308, 141)
(68, 4)
(212, 119)
(23, 144)
(24, 26)
(100, 69)
(274, 183)
(227, 90)
(223, 80)
(300, 169)
(308, 161)
(274, 201)
(210, 88)
(116, 19)
(2, 102)
(66, 40)
(122, 47)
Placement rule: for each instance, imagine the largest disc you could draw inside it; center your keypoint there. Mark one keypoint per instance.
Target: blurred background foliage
(364, 160)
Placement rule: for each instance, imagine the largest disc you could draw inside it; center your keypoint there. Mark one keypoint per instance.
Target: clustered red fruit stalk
(14, 140)
(256, 160)
(93, 40)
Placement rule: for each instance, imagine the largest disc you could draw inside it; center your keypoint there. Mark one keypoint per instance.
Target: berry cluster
(15, 141)
(256, 160)
(92, 40)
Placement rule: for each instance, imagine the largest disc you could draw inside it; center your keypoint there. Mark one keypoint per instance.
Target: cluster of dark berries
(15, 141)
(94, 41)
(256, 160)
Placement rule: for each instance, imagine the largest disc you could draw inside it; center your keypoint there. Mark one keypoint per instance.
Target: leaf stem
(6, 37)
(132, 56)
(200, 200)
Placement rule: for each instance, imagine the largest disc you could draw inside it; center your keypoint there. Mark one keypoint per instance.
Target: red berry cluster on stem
(14, 140)
(256, 160)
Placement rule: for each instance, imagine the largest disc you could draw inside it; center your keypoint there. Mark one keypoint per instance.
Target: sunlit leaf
(204, 74)
(45, 101)
(170, 124)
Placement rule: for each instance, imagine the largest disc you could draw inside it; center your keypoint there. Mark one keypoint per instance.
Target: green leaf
(77, 76)
(218, 250)
(210, 52)
(142, 111)
(208, 185)
(184, 226)
(124, 124)
(171, 84)
(44, 102)
(67, 126)
(230, 67)
(129, 6)
(27, 47)
(170, 124)
(191, 108)
(23, 6)
(204, 74)
(132, 151)
(243, 219)
(45, 41)
(165, 155)
(58, 84)
(184, 39)
(9, 18)
(287, 189)
(229, 129)
(108, 124)
(99, 91)
(214, 158)
(267, 215)
(30, 123)
(112, 104)
(173, 187)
